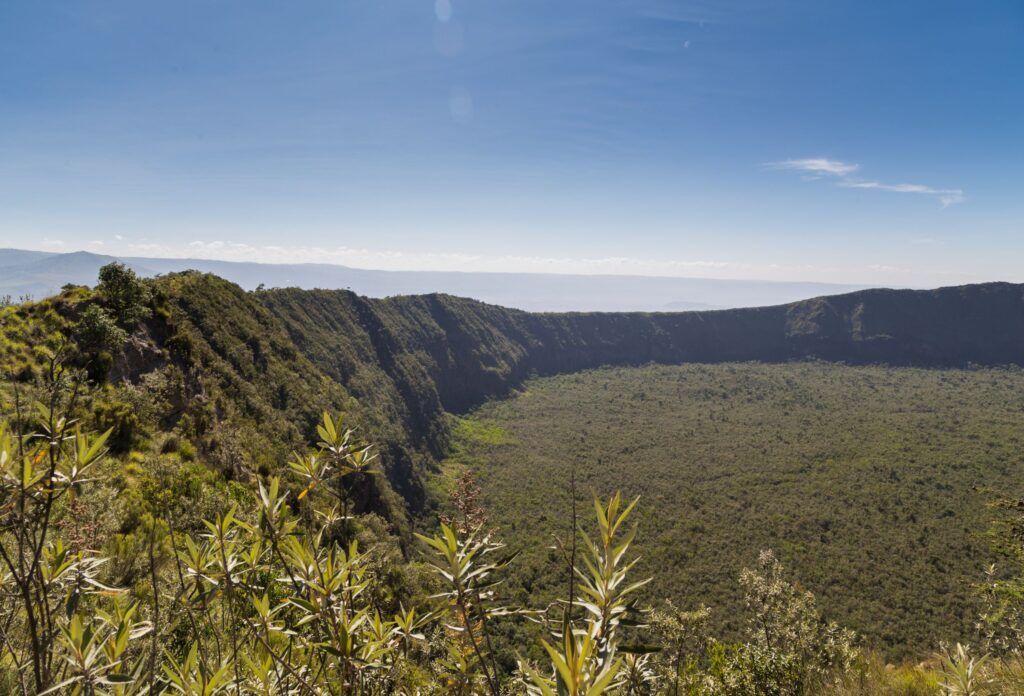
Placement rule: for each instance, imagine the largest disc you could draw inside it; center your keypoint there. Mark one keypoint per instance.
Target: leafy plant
(962, 672)
(284, 589)
(49, 588)
(467, 566)
(584, 654)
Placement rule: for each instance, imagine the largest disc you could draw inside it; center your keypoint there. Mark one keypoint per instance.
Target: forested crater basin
(870, 483)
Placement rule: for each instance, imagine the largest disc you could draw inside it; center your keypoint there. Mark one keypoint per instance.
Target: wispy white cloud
(383, 259)
(944, 196)
(817, 165)
(842, 171)
(403, 260)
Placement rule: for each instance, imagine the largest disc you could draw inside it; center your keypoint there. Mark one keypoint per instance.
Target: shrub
(171, 443)
(187, 451)
(121, 421)
(98, 331)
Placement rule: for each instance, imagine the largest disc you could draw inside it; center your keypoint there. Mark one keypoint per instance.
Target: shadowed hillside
(468, 351)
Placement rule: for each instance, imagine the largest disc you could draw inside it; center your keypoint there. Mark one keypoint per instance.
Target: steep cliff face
(443, 352)
(407, 360)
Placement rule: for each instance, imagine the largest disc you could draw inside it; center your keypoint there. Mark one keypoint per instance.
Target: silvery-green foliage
(468, 565)
(963, 673)
(55, 633)
(584, 652)
(788, 650)
(683, 638)
(639, 676)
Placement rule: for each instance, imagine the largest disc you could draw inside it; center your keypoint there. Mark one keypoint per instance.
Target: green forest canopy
(869, 482)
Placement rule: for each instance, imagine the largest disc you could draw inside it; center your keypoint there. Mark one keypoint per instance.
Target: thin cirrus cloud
(944, 196)
(818, 167)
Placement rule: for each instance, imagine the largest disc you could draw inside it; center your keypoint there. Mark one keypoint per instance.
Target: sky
(865, 141)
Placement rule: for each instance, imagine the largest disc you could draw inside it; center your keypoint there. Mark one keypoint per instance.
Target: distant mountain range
(39, 274)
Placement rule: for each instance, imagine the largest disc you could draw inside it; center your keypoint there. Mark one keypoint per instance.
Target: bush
(171, 443)
(98, 331)
(121, 420)
(187, 451)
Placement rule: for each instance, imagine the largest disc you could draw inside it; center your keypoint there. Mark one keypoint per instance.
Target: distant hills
(39, 274)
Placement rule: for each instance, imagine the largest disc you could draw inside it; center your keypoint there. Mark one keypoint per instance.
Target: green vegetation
(29, 330)
(125, 293)
(198, 545)
(285, 592)
(869, 482)
(253, 370)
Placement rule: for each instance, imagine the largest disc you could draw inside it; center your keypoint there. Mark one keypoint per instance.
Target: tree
(125, 293)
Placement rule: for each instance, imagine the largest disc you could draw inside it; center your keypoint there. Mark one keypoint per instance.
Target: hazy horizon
(571, 267)
(575, 271)
(29, 273)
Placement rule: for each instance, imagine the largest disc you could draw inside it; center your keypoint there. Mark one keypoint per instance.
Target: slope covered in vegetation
(282, 591)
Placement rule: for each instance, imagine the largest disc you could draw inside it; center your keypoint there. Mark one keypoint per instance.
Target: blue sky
(861, 141)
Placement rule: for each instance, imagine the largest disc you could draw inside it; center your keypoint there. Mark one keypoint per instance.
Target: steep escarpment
(443, 352)
(252, 397)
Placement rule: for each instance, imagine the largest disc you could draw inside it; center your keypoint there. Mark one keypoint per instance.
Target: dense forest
(870, 483)
(185, 511)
